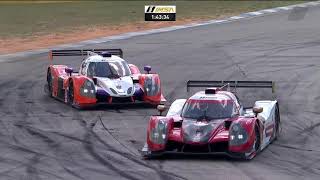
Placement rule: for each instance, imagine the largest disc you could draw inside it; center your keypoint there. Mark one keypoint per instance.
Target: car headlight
(88, 89)
(158, 134)
(238, 135)
(129, 91)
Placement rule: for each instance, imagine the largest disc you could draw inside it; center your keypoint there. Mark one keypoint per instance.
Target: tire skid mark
(24, 149)
(123, 154)
(7, 85)
(167, 175)
(160, 172)
(288, 170)
(20, 165)
(31, 169)
(249, 175)
(53, 145)
(274, 153)
(25, 94)
(310, 128)
(89, 147)
(29, 151)
(138, 161)
(51, 174)
(302, 166)
(308, 166)
(295, 148)
(85, 141)
(108, 131)
(72, 172)
(8, 90)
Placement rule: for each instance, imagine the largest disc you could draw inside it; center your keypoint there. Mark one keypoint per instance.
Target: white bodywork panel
(120, 85)
(267, 117)
(176, 107)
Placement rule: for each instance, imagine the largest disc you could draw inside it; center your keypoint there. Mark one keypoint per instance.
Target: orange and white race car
(104, 77)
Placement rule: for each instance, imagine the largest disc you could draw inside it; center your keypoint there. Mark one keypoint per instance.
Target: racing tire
(277, 122)
(148, 155)
(151, 156)
(255, 146)
(70, 95)
(49, 83)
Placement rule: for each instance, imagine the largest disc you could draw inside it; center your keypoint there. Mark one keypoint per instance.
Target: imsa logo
(160, 13)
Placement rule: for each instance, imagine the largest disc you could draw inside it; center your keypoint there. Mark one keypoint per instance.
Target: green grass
(19, 19)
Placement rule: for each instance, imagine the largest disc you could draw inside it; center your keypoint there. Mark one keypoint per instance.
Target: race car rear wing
(233, 84)
(83, 52)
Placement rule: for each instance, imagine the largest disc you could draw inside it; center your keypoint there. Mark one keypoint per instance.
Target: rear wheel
(277, 122)
(49, 82)
(70, 94)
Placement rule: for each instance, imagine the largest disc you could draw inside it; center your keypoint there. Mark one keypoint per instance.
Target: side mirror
(161, 108)
(257, 110)
(147, 69)
(69, 70)
(95, 81)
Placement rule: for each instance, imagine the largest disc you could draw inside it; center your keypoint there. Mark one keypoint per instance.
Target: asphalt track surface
(41, 138)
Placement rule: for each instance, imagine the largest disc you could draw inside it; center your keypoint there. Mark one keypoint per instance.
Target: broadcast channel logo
(159, 13)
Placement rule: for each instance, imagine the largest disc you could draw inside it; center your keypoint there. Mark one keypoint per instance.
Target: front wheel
(255, 146)
(148, 155)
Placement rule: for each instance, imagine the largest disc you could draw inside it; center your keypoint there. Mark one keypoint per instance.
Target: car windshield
(108, 69)
(208, 109)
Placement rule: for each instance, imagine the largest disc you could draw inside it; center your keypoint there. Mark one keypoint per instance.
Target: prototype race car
(214, 121)
(103, 78)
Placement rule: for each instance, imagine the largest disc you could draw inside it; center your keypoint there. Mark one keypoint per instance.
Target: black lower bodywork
(176, 148)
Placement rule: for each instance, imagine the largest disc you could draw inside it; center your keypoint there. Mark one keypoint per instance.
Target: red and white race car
(103, 78)
(213, 121)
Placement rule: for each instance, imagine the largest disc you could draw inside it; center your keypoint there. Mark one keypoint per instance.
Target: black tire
(49, 82)
(152, 155)
(70, 94)
(255, 147)
(277, 122)
(257, 139)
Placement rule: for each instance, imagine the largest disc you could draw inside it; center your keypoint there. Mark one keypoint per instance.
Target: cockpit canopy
(108, 69)
(209, 109)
